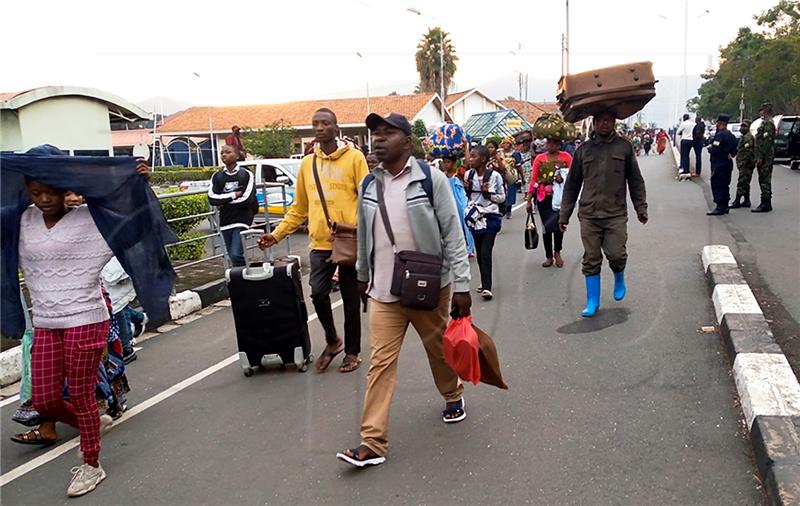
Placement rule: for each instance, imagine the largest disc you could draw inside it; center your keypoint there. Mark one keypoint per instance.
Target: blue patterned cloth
(448, 141)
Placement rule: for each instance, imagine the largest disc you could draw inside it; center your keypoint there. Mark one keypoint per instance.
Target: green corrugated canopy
(500, 123)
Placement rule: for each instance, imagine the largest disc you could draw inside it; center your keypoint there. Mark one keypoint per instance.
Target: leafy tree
(393, 94)
(429, 61)
(419, 129)
(763, 64)
(273, 141)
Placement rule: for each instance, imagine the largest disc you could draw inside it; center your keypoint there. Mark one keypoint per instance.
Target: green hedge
(176, 176)
(184, 206)
(194, 250)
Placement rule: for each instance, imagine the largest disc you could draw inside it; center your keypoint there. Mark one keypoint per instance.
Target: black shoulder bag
(416, 278)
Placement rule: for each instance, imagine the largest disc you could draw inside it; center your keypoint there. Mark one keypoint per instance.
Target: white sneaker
(85, 478)
(105, 423)
(487, 294)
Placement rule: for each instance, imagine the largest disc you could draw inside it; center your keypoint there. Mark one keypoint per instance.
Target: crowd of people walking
(423, 219)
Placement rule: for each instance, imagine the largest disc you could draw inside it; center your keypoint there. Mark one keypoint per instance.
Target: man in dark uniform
(765, 153)
(745, 164)
(605, 166)
(722, 149)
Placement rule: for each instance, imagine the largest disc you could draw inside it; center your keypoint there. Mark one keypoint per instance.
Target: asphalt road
(635, 406)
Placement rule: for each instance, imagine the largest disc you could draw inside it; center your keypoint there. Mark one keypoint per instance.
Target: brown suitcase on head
(622, 89)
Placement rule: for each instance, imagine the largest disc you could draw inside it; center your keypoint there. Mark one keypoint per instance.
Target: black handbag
(416, 278)
(531, 233)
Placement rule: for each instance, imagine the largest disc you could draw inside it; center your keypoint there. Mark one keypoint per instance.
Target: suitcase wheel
(304, 366)
(248, 372)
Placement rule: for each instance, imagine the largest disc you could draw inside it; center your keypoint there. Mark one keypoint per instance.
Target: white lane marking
(734, 299)
(518, 206)
(63, 448)
(5, 402)
(717, 254)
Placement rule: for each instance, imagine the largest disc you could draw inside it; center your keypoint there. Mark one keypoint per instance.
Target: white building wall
(68, 123)
(431, 115)
(10, 136)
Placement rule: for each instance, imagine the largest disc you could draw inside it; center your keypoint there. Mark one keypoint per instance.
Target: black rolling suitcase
(269, 312)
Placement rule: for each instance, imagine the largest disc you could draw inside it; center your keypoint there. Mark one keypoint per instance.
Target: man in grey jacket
(423, 217)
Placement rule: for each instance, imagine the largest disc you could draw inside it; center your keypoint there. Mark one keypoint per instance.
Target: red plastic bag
(461, 348)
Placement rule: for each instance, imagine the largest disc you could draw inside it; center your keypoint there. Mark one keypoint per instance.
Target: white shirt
(394, 195)
(685, 130)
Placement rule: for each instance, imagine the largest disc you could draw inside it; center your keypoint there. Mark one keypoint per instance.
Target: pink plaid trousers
(74, 354)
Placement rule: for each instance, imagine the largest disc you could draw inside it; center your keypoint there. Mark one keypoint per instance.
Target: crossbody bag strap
(384, 214)
(320, 192)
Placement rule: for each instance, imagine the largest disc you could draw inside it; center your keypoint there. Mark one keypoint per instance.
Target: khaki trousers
(388, 325)
(609, 236)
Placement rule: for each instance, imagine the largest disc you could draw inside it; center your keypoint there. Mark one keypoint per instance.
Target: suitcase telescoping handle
(252, 232)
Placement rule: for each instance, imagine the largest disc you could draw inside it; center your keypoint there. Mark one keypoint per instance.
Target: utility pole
(741, 103)
(566, 40)
(441, 69)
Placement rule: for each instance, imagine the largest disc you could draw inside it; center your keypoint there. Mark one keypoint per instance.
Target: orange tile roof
(535, 109)
(348, 111)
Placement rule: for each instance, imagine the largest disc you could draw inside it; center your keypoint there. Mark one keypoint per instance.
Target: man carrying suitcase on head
(340, 168)
(605, 166)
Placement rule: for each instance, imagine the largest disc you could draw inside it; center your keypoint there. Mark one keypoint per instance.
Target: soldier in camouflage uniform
(745, 164)
(765, 153)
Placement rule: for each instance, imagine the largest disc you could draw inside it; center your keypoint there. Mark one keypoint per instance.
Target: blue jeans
(233, 243)
(686, 150)
(511, 197)
(124, 320)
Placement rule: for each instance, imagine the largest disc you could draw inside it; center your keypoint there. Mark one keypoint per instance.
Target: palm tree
(428, 61)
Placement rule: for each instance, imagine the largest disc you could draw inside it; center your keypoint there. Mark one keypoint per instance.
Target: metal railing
(218, 249)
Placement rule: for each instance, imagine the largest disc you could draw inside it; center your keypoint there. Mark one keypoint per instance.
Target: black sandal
(325, 359)
(455, 412)
(32, 437)
(357, 457)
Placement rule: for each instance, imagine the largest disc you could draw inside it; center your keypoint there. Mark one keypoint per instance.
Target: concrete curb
(181, 305)
(768, 389)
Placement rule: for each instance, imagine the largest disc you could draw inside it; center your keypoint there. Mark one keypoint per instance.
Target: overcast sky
(272, 51)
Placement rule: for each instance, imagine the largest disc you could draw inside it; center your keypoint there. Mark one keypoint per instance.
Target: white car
(195, 185)
(275, 170)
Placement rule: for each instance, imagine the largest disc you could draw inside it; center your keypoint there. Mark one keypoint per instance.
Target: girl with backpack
(486, 192)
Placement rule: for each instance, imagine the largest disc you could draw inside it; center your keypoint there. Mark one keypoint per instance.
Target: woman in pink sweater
(546, 167)
(61, 254)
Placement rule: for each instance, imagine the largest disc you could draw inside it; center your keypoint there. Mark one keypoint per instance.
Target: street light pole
(211, 142)
(369, 132)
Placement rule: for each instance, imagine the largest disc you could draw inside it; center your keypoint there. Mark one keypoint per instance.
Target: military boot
(736, 204)
(764, 207)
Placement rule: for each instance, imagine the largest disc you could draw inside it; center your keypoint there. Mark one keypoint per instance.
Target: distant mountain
(163, 105)
(661, 110)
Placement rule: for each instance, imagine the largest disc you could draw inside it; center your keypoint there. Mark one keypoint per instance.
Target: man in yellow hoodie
(341, 168)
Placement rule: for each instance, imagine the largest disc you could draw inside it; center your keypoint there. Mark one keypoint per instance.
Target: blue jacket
(124, 208)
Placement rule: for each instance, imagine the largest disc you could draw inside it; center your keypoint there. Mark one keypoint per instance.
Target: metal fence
(263, 221)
